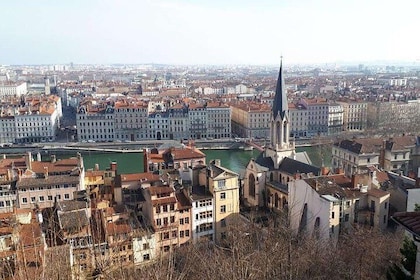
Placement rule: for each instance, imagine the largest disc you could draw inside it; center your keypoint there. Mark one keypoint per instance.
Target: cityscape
(151, 141)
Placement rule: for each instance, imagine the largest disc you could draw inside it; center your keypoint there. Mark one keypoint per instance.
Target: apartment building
(251, 119)
(130, 120)
(320, 207)
(203, 224)
(184, 217)
(95, 122)
(13, 89)
(178, 158)
(22, 245)
(318, 113)
(160, 208)
(355, 156)
(218, 120)
(197, 117)
(223, 184)
(44, 183)
(335, 118)
(299, 120)
(354, 115)
(178, 122)
(73, 220)
(35, 120)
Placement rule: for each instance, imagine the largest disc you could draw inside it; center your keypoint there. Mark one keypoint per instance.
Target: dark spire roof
(280, 99)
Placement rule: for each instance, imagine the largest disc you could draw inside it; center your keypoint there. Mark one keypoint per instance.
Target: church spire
(280, 98)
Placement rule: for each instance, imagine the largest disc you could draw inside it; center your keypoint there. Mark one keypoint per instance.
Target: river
(235, 160)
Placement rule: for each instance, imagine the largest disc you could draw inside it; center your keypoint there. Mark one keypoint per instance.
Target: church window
(251, 190)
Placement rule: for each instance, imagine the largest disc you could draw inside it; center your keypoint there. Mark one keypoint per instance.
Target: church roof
(288, 165)
(292, 166)
(280, 98)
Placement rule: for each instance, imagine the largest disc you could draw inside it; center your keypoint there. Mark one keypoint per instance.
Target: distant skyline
(208, 31)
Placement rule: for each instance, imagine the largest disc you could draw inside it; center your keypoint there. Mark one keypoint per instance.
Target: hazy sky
(208, 31)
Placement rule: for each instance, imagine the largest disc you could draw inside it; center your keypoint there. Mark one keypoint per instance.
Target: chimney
(53, 158)
(45, 172)
(38, 157)
(28, 160)
(113, 166)
(353, 181)
(145, 160)
(216, 162)
(324, 170)
(96, 167)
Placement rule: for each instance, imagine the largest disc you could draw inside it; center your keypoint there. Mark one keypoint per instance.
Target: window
(223, 209)
(158, 209)
(24, 200)
(332, 215)
(181, 221)
(332, 229)
(166, 235)
(174, 234)
(384, 219)
(386, 205)
(146, 246)
(346, 217)
(172, 219)
(223, 195)
(41, 198)
(223, 222)
(158, 222)
(221, 184)
(165, 220)
(347, 204)
(146, 257)
(187, 233)
(172, 207)
(165, 208)
(181, 234)
(50, 198)
(66, 196)
(33, 199)
(187, 220)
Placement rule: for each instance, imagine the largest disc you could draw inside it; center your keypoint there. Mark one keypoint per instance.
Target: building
(13, 89)
(250, 119)
(320, 207)
(354, 156)
(266, 176)
(44, 183)
(202, 214)
(354, 115)
(218, 120)
(160, 209)
(31, 119)
(223, 184)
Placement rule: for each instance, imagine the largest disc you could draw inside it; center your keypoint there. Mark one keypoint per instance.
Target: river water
(235, 160)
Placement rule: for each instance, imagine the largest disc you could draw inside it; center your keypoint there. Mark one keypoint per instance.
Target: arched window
(316, 227)
(284, 202)
(271, 177)
(276, 200)
(278, 132)
(251, 190)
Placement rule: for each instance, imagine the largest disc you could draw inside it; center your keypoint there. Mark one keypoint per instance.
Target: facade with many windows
(36, 119)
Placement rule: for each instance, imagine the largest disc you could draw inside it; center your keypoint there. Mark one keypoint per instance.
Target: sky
(208, 31)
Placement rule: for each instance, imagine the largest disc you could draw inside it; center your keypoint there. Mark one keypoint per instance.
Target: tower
(280, 146)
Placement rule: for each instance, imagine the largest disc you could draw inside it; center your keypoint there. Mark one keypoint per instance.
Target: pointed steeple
(280, 98)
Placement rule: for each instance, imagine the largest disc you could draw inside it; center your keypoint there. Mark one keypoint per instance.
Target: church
(266, 177)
